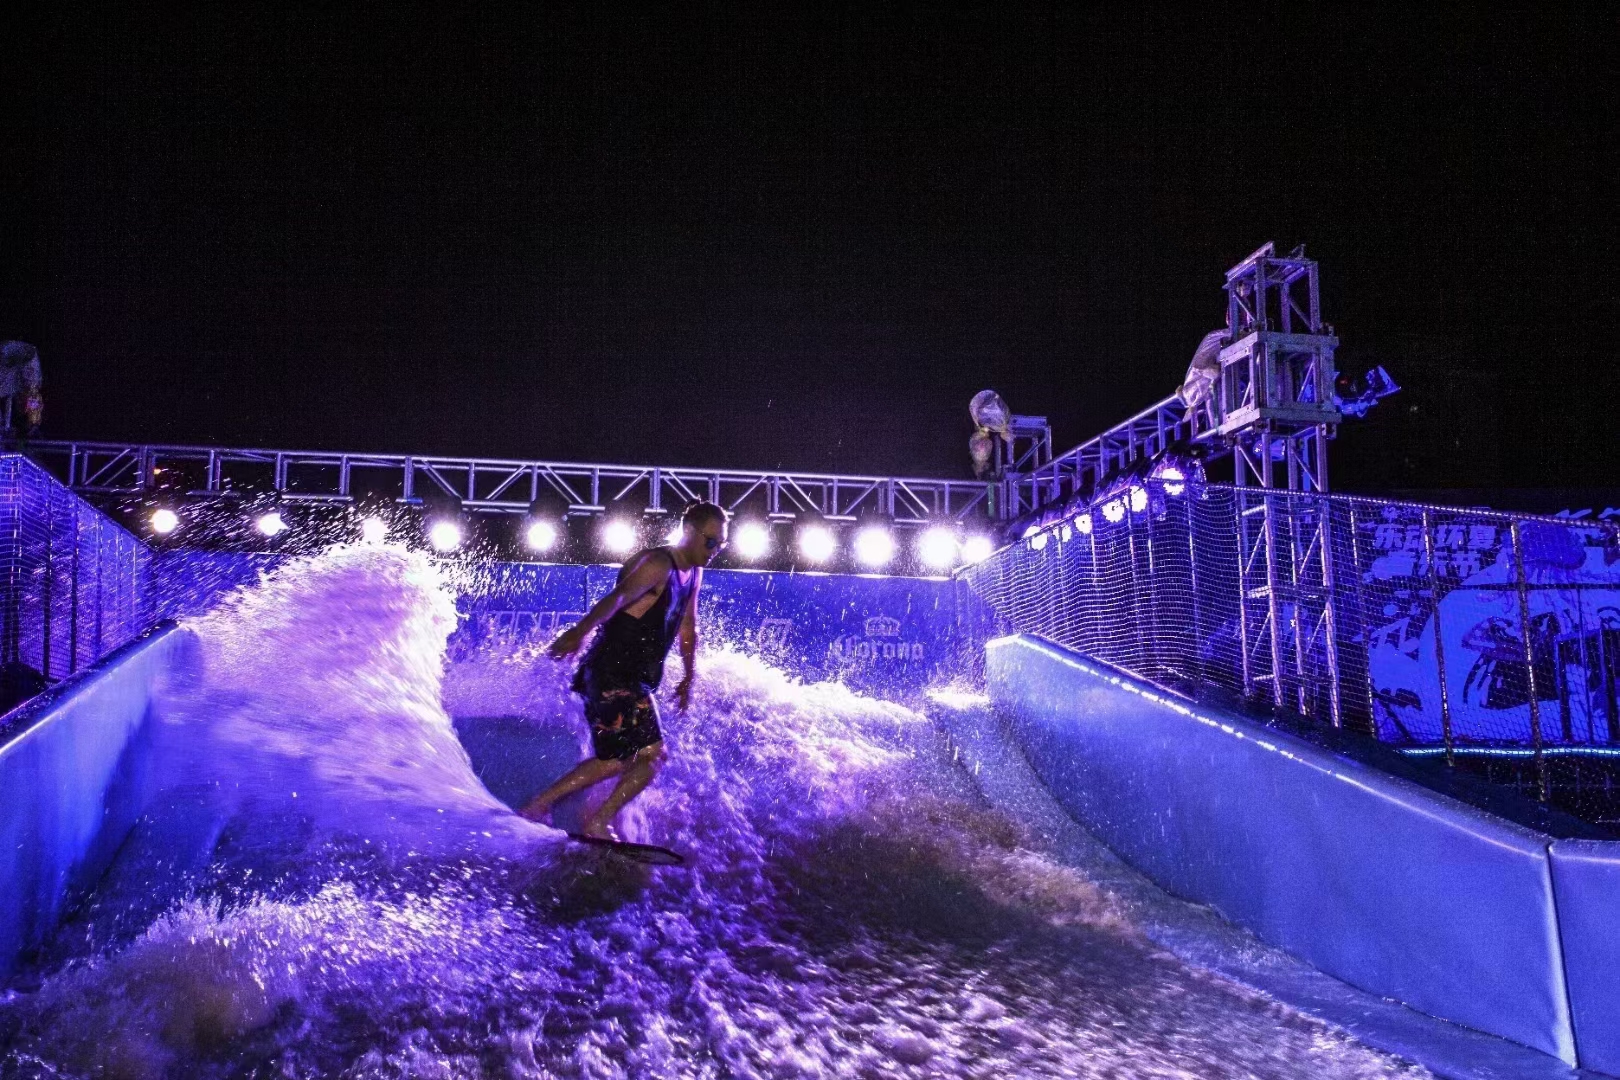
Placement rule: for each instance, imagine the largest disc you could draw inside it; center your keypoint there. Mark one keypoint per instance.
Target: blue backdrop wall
(885, 635)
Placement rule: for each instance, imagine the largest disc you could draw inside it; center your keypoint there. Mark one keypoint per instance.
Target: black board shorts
(623, 723)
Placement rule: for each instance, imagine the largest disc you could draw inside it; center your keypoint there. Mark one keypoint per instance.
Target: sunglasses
(713, 543)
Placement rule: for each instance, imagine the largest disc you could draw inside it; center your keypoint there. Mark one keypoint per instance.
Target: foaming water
(850, 907)
(323, 684)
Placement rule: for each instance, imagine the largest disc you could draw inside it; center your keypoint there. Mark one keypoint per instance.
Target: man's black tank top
(629, 652)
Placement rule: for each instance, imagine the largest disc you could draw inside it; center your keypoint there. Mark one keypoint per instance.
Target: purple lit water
(363, 907)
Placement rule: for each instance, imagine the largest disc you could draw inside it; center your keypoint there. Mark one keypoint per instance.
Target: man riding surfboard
(653, 603)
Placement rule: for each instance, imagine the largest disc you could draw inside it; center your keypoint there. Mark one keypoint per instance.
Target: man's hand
(683, 694)
(567, 643)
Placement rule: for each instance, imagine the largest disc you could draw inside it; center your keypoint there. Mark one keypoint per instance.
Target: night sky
(710, 239)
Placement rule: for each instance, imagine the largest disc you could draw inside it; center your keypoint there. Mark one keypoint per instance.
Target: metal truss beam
(496, 485)
(1146, 434)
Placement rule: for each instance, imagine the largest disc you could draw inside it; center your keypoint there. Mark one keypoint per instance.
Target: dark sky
(712, 239)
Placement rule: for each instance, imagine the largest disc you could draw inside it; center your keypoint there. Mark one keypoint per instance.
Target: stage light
(373, 530)
(1114, 510)
(1175, 481)
(752, 541)
(1083, 523)
(165, 521)
(544, 524)
(874, 546)
(976, 549)
(1036, 538)
(817, 543)
(444, 535)
(540, 536)
(619, 537)
(271, 523)
(938, 548)
(1065, 533)
(1139, 498)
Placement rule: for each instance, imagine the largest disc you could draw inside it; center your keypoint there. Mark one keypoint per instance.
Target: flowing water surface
(327, 889)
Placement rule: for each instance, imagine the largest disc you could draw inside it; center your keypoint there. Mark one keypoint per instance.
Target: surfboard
(651, 854)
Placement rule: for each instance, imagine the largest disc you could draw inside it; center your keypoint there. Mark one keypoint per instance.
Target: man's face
(704, 542)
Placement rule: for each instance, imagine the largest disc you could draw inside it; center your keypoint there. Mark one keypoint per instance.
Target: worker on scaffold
(20, 383)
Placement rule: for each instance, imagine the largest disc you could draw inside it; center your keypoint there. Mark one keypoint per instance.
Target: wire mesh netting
(1426, 626)
(73, 584)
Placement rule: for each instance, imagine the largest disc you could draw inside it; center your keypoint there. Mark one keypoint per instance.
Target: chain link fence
(73, 585)
(1461, 633)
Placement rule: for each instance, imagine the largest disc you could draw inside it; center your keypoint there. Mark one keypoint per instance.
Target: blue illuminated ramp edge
(1586, 878)
(72, 768)
(1374, 880)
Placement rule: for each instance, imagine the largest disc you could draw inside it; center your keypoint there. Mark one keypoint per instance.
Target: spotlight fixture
(442, 521)
(271, 523)
(976, 549)
(1139, 498)
(1036, 536)
(937, 547)
(543, 527)
(817, 543)
(1083, 523)
(1114, 510)
(753, 540)
(618, 537)
(164, 521)
(1175, 481)
(373, 530)
(540, 535)
(445, 535)
(874, 545)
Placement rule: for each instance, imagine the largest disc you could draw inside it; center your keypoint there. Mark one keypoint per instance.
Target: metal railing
(493, 484)
(1146, 434)
(73, 584)
(1458, 632)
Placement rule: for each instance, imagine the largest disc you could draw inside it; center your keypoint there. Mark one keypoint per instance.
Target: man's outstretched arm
(642, 577)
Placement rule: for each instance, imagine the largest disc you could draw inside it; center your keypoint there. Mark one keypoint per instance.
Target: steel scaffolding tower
(1272, 408)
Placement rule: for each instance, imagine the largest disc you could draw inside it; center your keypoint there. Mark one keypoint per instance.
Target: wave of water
(850, 907)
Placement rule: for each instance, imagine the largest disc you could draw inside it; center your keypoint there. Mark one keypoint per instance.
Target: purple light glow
(809, 929)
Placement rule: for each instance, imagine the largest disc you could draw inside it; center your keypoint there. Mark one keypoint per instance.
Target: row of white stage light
(874, 546)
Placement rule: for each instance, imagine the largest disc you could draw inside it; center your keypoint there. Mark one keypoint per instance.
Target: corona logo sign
(773, 633)
(879, 646)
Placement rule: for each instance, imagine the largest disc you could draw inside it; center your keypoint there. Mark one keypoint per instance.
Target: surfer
(653, 603)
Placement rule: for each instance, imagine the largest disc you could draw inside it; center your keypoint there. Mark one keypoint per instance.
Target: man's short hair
(700, 514)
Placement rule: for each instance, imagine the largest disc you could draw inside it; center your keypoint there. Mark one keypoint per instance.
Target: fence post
(47, 586)
(1529, 660)
(73, 598)
(1196, 666)
(1241, 521)
(1095, 604)
(1439, 639)
(1330, 617)
(1361, 609)
(1135, 606)
(1155, 628)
